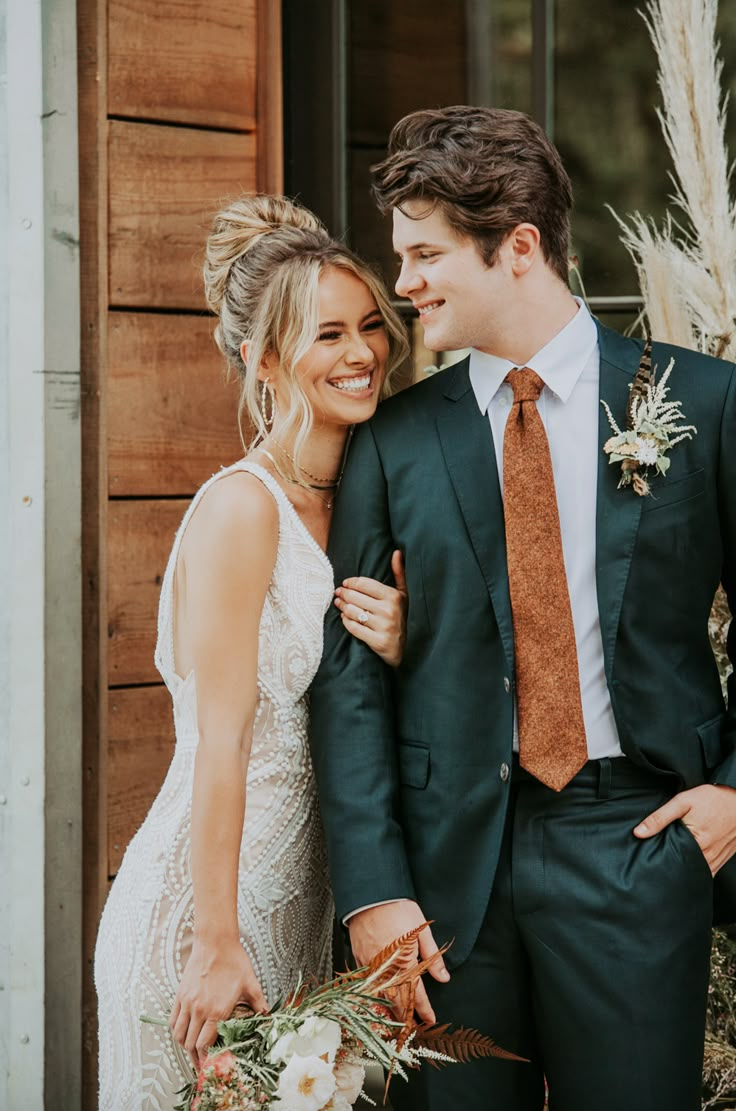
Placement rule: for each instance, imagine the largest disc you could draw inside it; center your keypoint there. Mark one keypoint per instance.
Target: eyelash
(371, 326)
(426, 257)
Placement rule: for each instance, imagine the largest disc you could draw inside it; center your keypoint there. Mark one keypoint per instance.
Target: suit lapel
(467, 446)
(618, 512)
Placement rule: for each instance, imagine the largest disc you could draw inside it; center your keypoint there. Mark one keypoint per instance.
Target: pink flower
(223, 1065)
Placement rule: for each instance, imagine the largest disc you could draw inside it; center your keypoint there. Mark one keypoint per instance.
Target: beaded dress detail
(284, 901)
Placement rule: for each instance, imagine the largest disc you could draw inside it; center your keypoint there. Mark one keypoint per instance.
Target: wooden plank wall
(180, 107)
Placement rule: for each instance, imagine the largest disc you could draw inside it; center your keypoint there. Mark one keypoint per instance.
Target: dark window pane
(499, 53)
(423, 54)
(401, 57)
(512, 54)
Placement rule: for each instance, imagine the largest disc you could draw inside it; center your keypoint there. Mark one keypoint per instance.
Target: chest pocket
(667, 493)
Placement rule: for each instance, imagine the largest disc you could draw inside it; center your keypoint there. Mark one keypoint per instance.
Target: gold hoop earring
(267, 418)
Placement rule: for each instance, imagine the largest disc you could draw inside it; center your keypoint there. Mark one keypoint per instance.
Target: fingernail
(643, 828)
(444, 974)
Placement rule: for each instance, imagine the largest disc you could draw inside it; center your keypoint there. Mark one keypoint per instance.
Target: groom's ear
(523, 245)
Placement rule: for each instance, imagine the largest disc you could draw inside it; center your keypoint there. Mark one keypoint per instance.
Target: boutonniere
(652, 427)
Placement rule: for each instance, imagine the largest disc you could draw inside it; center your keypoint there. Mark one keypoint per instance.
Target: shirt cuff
(370, 906)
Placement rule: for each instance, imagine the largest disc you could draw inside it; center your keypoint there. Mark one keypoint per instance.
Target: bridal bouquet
(309, 1052)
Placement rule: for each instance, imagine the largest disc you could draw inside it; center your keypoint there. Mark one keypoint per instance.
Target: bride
(223, 894)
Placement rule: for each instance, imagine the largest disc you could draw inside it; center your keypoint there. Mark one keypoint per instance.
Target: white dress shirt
(569, 366)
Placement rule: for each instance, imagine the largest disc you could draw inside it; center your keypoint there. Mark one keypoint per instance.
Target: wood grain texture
(184, 61)
(165, 185)
(270, 98)
(172, 415)
(396, 66)
(141, 743)
(92, 112)
(139, 539)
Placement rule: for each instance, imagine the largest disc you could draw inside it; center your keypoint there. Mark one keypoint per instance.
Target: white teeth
(429, 308)
(352, 385)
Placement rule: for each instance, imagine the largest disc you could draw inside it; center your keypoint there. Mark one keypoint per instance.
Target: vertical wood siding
(180, 107)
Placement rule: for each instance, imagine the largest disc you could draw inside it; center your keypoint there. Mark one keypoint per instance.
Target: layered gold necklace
(319, 485)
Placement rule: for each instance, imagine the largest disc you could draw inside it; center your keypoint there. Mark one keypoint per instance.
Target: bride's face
(343, 372)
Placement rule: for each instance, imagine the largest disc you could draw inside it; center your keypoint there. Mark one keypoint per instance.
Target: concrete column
(40, 587)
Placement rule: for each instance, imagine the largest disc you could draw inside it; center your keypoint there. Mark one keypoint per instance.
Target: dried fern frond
(410, 973)
(462, 1045)
(400, 948)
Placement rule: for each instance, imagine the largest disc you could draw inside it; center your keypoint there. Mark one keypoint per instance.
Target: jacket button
(504, 772)
(506, 684)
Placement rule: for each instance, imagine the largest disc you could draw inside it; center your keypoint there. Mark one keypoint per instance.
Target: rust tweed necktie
(552, 743)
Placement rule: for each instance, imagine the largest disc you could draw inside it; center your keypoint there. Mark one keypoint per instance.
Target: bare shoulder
(236, 513)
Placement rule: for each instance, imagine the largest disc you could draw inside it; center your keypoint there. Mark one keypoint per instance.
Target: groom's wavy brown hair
(489, 169)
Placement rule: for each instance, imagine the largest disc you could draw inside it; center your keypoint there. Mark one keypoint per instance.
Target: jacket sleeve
(352, 707)
(725, 773)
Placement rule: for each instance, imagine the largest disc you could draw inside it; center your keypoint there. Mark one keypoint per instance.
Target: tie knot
(526, 384)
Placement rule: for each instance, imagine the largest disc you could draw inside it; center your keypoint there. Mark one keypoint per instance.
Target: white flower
(350, 1077)
(316, 1037)
(647, 451)
(339, 1103)
(306, 1084)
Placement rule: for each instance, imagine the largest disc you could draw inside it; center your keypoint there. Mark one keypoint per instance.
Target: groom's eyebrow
(416, 247)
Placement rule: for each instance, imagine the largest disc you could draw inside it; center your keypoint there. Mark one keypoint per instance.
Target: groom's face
(442, 273)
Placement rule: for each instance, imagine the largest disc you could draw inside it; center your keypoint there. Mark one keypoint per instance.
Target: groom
(548, 777)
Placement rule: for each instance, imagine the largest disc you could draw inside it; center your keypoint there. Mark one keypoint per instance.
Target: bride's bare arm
(376, 613)
(225, 566)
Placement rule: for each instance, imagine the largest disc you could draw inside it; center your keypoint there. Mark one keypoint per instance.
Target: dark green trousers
(592, 960)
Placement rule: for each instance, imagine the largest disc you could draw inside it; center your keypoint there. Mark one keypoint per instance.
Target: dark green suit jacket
(410, 762)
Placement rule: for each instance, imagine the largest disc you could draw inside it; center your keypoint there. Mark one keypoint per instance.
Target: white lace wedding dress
(284, 901)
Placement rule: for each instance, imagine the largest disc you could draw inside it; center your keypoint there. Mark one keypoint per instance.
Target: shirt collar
(559, 364)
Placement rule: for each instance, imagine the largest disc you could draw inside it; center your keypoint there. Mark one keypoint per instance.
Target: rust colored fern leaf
(462, 1044)
(403, 1006)
(414, 971)
(397, 948)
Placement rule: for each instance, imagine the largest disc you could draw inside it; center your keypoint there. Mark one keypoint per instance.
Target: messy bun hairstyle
(263, 262)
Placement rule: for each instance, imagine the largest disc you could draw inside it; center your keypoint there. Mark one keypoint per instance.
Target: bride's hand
(216, 978)
(376, 613)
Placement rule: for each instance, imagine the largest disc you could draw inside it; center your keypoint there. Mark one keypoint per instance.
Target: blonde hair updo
(264, 257)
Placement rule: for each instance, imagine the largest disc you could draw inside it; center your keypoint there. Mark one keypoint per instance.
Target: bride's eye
(329, 335)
